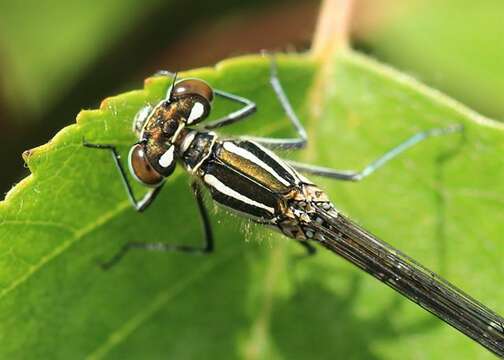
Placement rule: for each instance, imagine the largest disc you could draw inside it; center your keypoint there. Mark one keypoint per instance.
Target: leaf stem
(333, 28)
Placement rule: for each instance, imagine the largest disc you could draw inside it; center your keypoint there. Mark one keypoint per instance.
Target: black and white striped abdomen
(247, 178)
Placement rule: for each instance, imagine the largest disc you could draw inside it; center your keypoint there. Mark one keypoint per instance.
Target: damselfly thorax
(249, 179)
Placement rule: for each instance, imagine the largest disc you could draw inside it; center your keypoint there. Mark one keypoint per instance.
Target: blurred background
(58, 57)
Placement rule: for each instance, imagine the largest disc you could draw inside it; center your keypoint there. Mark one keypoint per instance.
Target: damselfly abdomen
(245, 176)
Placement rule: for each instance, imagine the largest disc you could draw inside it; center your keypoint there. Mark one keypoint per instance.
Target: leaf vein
(64, 246)
(156, 305)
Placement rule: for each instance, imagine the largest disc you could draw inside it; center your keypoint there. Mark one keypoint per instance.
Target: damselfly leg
(142, 205)
(249, 107)
(309, 248)
(139, 205)
(352, 175)
(301, 140)
(207, 248)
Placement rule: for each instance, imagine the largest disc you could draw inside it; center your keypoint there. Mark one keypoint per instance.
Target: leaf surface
(441, 203)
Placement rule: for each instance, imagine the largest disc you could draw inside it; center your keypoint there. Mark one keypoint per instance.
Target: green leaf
(441, 202)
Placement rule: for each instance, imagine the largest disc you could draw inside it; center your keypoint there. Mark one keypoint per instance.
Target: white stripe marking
(196, 112)
(280, 162)
(188, 139)
(219, 186)
(167, 158)
(229, 146)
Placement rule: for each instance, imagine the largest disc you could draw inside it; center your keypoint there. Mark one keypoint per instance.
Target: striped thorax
(251, 180)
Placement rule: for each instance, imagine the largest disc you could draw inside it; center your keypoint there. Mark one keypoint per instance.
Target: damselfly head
(161, 129)
(188, 101)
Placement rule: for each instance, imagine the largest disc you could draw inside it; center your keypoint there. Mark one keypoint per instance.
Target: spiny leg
(310, 250)
(249, 107)
(164, 247)
(287, 143)
(205, 219)
(350, 175)
(144, 203)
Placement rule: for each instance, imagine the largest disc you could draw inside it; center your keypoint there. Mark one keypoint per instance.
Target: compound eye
(193, 87)
(141, 169)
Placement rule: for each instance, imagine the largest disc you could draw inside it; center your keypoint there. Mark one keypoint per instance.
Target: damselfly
(246, 176)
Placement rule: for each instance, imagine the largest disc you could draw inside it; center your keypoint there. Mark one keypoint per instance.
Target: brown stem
(333, 27)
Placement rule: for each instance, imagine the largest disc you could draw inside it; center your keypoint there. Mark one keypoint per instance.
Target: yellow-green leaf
(441, 202)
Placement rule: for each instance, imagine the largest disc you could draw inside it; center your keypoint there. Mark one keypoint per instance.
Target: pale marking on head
(196, 112)
(188, 139)
(173, 139)
(141, 117)
(166, 159)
